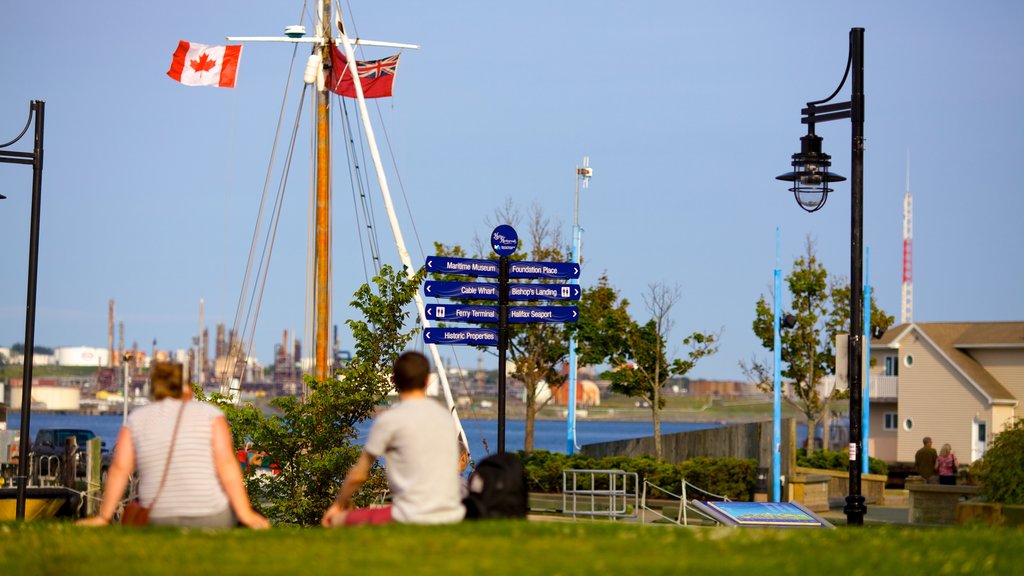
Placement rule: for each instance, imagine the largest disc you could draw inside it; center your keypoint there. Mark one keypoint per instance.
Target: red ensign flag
(376, 76)
(202, 65)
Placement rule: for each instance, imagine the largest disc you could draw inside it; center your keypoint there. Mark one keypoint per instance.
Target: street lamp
(37, 109)
(811, 178)
(583, 174)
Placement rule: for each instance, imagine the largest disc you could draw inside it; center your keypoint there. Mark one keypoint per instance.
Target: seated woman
(199, 484)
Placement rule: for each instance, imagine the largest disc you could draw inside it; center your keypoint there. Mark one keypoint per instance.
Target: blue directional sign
(462, 313)
(466, 290)
(467, 336)
(543, 270)
(543, 292)
(504, 240)
(530, 314)
(468, 266)
(489, 314)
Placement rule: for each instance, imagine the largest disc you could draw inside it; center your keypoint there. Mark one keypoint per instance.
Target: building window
(908, 424)
(892, 366)
(891, 421)
(909, 360)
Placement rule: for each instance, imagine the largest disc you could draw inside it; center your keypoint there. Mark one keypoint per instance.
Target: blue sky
(687, 110)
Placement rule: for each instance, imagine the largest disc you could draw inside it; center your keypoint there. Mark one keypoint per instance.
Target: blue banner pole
(777, 381)
(866, 398)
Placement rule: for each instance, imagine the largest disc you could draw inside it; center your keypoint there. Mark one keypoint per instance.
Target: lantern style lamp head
(810, 175)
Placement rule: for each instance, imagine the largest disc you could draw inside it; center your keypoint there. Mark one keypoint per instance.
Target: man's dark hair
(411, 371)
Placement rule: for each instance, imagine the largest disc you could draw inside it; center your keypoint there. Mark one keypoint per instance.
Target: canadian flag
(202, 65)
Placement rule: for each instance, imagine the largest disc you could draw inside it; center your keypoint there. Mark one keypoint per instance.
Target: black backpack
(497, 489)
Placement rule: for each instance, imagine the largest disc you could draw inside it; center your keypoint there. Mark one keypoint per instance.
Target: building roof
(954, 340)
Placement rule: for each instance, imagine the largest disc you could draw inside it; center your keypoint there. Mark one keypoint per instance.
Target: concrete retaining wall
(751, 440)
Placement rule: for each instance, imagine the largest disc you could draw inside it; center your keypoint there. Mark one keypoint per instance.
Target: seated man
(421, 459)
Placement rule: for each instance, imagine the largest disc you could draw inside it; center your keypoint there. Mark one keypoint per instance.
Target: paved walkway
(876, 515)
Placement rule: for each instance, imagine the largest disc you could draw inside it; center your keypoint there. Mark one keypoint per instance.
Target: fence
(604, 493)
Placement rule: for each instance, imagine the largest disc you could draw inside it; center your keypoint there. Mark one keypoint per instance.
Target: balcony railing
(884, 387)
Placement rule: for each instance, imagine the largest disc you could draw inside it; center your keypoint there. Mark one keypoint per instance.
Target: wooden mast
(322, 233)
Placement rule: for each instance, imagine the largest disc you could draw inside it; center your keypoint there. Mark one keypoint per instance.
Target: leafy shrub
(314, 439)
(1002, 469)
(836, 460)
(732, 477)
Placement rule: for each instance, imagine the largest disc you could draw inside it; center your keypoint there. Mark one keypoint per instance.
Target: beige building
(958, 382)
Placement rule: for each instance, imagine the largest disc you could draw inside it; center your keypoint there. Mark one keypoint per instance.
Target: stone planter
(990, 513)
(937, 503)
(809, 489)
(872, 486)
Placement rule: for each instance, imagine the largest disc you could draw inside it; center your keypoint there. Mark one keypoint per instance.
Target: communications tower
(907, 307)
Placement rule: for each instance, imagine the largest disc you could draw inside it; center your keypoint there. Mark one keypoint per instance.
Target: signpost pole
(777, 380)
(502, 345)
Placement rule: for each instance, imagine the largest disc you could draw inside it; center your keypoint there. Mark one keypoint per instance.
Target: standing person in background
(946, 465)
(203, 486)
(418, 442)
(924, 460)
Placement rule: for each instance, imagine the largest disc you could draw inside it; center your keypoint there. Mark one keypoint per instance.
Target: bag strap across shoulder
(170, 453)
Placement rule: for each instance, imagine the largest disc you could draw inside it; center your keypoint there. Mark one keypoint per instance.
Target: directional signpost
(516, 314)
(504, 242)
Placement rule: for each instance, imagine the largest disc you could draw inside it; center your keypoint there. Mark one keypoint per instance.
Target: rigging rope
(268, 246)
(257, 228)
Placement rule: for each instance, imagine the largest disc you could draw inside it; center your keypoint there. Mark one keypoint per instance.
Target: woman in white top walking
(203, 486)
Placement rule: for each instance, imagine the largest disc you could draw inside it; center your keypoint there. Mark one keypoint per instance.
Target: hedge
(731, 477)
(836, 460)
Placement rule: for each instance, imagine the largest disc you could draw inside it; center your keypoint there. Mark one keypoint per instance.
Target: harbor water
(548, 434)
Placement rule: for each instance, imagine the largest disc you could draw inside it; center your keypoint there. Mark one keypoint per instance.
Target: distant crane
(907, 307)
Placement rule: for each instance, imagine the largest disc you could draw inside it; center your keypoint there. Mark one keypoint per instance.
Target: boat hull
(41, 503)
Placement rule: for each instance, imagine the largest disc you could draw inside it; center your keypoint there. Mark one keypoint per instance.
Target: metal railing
(602, 493)
(48, 470)
(885, 386)
(682, 517)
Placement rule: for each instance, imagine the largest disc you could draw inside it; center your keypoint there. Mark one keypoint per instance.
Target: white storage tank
(52, 397)
(81, 356)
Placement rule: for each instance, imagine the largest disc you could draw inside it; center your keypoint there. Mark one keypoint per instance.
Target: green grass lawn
(514, 548)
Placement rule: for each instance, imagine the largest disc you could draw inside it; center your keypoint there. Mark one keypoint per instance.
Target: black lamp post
(37, 109)
(811, 178)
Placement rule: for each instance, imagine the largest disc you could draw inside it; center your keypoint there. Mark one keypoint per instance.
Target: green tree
(822, 309)
(313, 440)
(641, 367)
(603, 323)
(1002, 469)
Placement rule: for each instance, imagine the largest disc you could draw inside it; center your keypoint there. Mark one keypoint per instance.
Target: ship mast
(322, 229)
(322, 270)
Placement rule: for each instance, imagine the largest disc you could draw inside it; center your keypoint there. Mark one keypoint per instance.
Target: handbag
(134, 513)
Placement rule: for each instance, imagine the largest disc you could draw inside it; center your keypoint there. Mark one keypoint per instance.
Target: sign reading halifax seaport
(504, 241)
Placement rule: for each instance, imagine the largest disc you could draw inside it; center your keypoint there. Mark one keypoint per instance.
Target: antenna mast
(907, 308)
